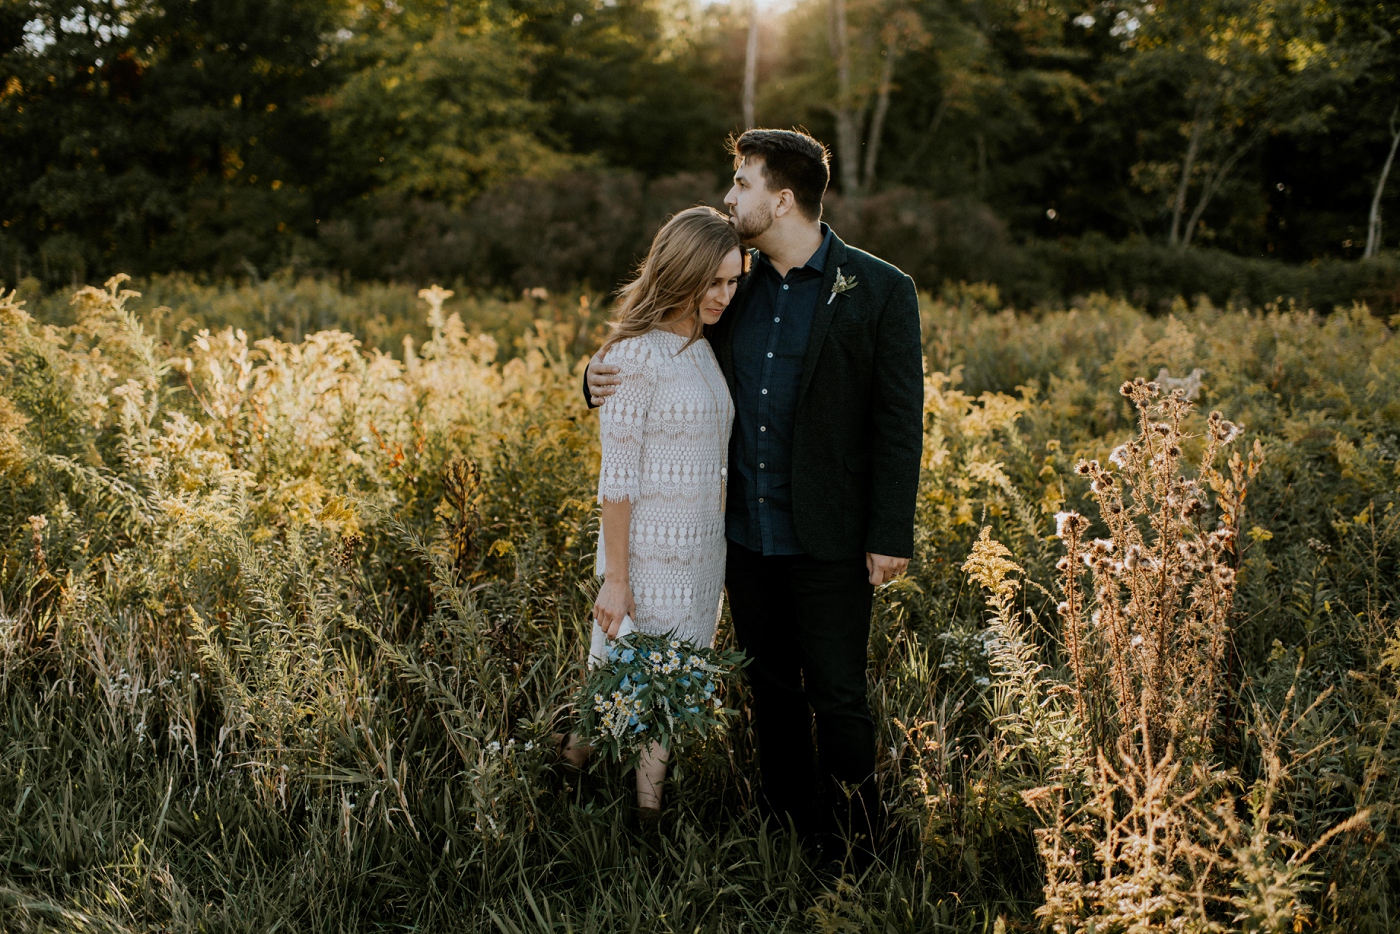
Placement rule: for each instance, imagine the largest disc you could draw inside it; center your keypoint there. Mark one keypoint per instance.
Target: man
(822, 354)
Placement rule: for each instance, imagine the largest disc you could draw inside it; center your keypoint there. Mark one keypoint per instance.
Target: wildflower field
(287, 622)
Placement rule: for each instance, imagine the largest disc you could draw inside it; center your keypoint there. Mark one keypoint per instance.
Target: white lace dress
(665, 437)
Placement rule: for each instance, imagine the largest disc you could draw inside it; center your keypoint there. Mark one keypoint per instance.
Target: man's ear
(787, 201)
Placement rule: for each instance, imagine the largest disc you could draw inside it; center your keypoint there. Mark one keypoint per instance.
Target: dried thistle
(1160, 613)
(1139, 829)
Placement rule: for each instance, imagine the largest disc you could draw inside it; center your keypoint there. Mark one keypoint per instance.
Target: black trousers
(804, 625)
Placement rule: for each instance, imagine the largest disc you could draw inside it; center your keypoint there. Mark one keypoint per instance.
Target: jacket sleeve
(588, 396)
(897, 423)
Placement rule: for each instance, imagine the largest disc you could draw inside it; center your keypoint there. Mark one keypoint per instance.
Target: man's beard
(754, 224)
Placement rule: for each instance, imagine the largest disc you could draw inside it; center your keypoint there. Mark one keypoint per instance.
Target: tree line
(242, 136)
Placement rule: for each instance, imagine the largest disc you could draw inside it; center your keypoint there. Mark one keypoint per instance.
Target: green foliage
(437, 109)
(1155, 275)
(632, 83)
(1244, 70)
(584, 228)
(158, 135)
(537, 142)
(960, 240)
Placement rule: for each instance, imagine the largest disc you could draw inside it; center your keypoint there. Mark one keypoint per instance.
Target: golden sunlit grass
(287, 626)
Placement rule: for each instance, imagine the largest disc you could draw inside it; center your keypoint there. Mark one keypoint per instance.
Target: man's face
(749, 201)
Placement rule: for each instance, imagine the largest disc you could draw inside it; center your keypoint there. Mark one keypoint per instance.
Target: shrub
(933, 240)
(577, 228)
(1154, 275)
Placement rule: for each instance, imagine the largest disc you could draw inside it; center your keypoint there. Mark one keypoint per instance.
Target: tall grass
(379, 314)
(286, 625)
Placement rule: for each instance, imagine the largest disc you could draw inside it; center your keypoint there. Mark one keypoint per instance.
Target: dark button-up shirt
(769, 343)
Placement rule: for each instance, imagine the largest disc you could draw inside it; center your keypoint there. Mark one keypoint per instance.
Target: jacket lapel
(826, 310)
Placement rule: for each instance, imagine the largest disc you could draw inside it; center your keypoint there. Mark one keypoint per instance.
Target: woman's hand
(615, 599)
(613, 603)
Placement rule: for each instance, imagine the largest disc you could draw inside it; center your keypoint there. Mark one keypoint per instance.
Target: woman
(665, 437)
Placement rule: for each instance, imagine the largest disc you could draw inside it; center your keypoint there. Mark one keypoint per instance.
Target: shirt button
(765, 392)
(762, 427)
(776, 320)
(785, 288)
(760, 499)
(770, 356)
(761, 466)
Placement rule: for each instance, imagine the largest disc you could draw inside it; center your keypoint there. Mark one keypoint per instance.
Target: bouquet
(653, 689)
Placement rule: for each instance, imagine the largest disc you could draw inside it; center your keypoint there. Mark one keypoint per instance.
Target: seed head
(1221, 430)
(1069, 523)
(1133, 559)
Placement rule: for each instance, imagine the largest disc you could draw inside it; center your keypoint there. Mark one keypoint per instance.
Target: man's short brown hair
(792, 160)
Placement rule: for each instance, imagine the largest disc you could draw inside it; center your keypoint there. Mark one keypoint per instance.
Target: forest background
(296, 559)
(1053, 148)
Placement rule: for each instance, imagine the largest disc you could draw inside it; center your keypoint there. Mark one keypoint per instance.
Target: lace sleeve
(623, 419)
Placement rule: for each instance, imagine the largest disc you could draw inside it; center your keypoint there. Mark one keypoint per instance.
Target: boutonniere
(842, 285)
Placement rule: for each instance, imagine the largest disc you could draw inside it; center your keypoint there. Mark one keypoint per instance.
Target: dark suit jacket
(858, 437)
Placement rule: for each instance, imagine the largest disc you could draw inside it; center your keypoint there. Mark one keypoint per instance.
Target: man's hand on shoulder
(883, 568)
(602, 380)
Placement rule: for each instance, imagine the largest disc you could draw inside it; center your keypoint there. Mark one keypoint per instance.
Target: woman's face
(722, 287)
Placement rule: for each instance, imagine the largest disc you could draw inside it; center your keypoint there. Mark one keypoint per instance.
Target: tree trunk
(847, 124)
(981, 164)
(1213, 185)
(928, 137)
(877, 121)
(751, 67)
(1373, 226)
(1193, 149)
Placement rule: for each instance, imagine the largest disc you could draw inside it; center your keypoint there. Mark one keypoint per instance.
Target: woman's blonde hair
(678, 270)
